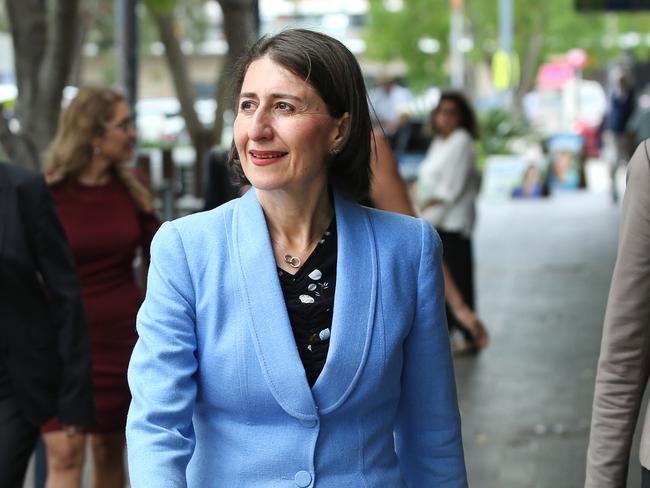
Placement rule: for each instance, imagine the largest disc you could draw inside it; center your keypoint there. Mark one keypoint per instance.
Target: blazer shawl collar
(353, 315)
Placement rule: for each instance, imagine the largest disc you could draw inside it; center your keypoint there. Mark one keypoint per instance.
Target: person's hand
(472, 324)
(72, 430)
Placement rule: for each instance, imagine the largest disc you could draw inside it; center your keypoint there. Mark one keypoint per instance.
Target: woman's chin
(266, 184)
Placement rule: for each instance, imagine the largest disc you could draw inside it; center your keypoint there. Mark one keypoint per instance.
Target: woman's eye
(246, 105)
(284, 106)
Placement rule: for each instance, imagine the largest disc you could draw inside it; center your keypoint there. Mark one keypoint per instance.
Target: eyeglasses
(125, 125)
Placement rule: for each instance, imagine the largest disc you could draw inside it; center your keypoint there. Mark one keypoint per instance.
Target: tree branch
(239, 28)
(178, 70)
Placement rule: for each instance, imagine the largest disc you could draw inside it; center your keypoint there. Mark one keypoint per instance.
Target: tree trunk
(201, 138)
(240, 30)
(28, 20)
(43, 57)
(178, 70)
(18, 147)
(86, 18)
(55, 71)
(529, 67)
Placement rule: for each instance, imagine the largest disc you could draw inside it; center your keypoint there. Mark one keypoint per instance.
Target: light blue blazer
(220, 397)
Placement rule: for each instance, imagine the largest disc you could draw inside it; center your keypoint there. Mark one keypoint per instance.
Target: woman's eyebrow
(286, 95)
(272, 95)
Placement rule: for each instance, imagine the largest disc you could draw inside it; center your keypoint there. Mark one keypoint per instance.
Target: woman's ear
(342, 130)
(96, 143)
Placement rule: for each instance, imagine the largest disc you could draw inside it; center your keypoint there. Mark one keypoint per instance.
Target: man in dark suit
(45, 367)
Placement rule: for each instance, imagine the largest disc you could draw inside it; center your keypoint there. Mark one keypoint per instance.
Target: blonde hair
(71, 150)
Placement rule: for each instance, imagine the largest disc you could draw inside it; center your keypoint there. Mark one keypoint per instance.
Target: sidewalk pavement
(543, 273)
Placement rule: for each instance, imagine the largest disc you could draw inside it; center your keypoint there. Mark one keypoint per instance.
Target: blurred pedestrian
(624, 363)
(44, 347)
(622, 100)
(388, 192)
(107, 213)
(293, 336)
(446, 191)
(639, 123)
(390, 109)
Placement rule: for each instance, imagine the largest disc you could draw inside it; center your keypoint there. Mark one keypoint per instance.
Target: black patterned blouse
(309, 296)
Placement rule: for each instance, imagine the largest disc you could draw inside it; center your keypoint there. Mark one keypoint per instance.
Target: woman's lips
(264, 158)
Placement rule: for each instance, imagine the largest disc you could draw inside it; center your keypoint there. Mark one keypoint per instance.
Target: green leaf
(161, 7)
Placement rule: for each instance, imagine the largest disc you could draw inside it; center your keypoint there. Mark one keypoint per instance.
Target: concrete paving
(544, 269)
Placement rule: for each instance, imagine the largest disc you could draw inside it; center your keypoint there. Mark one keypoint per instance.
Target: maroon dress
(105, 228)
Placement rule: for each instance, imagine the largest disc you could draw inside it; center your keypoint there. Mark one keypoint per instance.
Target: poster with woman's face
(564, 153)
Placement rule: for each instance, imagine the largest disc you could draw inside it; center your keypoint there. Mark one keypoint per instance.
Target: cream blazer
(624, 364)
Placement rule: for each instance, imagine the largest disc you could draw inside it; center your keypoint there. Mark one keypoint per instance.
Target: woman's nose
(260, 127)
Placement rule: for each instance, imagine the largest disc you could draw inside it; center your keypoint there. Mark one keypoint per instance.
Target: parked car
(159, 120)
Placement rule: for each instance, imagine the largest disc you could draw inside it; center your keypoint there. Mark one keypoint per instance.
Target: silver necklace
(294, 260)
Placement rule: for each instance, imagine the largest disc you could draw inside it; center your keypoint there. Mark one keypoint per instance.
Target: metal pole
(506, 29)
(126, 37)
(455, 35)
(258, 21)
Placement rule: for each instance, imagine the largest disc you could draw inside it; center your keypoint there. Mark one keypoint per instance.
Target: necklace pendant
(293, 261)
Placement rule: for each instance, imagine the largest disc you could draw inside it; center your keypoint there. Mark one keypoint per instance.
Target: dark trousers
(645, 478)
(457, 253)
(17, 440)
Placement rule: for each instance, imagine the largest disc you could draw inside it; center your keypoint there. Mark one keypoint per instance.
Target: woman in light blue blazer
(291, 337)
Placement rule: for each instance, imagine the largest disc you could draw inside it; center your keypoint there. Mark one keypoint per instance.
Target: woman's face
(447, 117)
(118, 140)
(283, 131)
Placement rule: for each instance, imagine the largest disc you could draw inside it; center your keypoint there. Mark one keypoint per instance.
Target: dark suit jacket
(44, 342)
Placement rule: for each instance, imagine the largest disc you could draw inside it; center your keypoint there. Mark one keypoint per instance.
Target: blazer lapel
(269, 321)
(354, 306)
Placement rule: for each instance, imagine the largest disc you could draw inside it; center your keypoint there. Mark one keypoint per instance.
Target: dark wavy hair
(333, 71)
(465, 112)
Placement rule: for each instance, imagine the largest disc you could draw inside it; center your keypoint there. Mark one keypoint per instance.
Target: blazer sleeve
(159, 431)
(623, 366)
(428, 434)
(57, 269)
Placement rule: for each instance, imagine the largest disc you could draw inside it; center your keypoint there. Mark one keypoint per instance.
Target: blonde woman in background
(107, 214)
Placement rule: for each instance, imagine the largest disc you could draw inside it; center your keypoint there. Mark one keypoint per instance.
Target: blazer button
(302, 479)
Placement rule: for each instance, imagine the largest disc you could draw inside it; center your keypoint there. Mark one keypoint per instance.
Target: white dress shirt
(448, 173)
